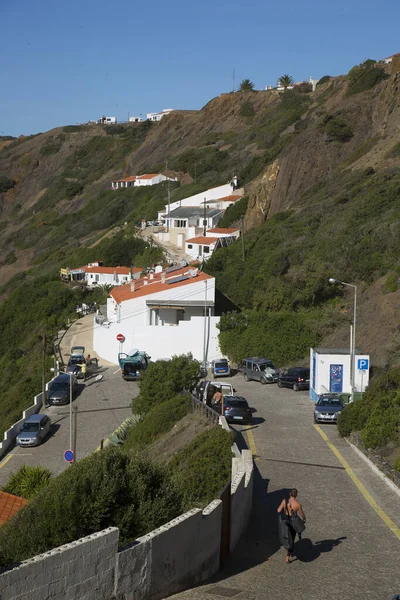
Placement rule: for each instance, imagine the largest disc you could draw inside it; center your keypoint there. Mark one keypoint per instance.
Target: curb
(376, 470)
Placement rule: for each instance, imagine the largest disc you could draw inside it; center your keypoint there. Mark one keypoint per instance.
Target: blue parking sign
(363, 364)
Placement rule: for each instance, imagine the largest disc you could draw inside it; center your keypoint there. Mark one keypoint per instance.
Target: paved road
(102, 407)
(347, 551)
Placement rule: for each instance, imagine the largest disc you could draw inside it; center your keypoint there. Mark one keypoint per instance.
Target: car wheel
(280, 384)
(263, 381)
(246, 377)
(296, 387)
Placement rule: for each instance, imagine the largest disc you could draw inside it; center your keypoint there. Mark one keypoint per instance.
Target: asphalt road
(348, 550)
(102, 407)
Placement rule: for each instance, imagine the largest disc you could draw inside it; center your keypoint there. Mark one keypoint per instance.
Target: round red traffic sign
(120, 338)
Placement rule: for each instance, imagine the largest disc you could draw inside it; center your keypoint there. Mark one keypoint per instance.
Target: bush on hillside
(394, 152)
(27, 481)
(108, 488)
(158, 420)
(6, 183)
(234, 213)
(52, 146)
(201, 469)
(364, 77)
(337, 128)
(164, 379)
(377, 415)
(247, 110)
(323, 80)
(74, 128)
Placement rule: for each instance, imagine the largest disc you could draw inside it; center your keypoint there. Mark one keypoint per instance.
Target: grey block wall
(82, 570)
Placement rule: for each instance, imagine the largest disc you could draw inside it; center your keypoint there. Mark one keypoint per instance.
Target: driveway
(102, 407)
(348, 550)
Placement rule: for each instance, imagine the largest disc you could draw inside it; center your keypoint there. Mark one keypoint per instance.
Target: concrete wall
(84, 570)
(158, 341)
(11, 433)
(213, 194)
(241, 497)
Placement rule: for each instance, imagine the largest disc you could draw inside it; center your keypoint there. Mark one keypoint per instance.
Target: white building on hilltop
(163, 314)
(157, 116)
(140, 180)
(95, 274)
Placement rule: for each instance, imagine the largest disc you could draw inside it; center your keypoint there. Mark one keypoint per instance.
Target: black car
(236, 410)
(297, 378)
(59, 389)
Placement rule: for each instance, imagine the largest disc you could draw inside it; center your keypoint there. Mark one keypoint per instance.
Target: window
(190, 246)
(97, 277)
(206, 249)
(255, 367)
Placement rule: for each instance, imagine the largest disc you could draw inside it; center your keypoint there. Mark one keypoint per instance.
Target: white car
(212, 386)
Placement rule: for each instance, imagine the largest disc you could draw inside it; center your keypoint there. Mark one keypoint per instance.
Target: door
(179, 240)
(256, 372)
(336, 378)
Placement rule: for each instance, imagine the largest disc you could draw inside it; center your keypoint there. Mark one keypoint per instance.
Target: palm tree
(246, 86)
(285, 81)
(28, 481)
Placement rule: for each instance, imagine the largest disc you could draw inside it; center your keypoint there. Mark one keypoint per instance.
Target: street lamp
(353, 340)
(70, 405)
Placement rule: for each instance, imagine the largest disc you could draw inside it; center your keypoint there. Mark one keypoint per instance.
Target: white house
(187, 222)
(389, 59)
(140, 180)
(135, 119)
(157, 116)
(97, 274)
(165, 313)
(217, 197)
(202, 247)
(330, 371)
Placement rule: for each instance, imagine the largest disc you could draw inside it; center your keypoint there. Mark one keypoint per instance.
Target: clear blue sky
(65, 62)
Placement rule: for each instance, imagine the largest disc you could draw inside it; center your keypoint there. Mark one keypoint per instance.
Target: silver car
(34, 430)
(328, 408)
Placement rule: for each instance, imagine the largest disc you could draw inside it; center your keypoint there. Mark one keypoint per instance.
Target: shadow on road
(307, 551)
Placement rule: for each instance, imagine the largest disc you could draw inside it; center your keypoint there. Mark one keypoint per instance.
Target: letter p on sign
(363, 364)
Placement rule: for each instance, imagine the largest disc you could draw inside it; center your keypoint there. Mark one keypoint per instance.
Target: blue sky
(65, 62)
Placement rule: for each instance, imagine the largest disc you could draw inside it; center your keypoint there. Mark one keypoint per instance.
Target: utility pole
(205, 218)
(242, 234)
(150, 239)
(43, 372)
(75, 431)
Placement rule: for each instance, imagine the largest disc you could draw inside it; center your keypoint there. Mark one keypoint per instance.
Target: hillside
(321, 172)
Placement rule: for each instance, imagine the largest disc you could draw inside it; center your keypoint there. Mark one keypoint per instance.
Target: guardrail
(202, 409)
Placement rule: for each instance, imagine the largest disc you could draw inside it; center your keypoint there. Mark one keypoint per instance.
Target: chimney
(162, 277)
(151, 275)
(145, 281)
(132, 286)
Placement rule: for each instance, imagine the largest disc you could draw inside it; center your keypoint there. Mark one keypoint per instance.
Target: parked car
(259, 369)
(297, 378)
(328, 408)
(34, 430)
(220, 367)
(236, 409)
(212, 386)
(59, 389)
(78, 357)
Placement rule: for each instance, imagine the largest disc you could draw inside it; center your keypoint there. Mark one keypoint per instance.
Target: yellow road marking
(5, 461)
(381, 513)
(250, 439)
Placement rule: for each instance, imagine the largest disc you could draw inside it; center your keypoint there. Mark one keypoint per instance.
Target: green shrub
(6, 183)
(337, 128)
(352, 418)
(201, 469)
(74, 128)
(234, 213)
(394, 152)
(323, 80)
(52, 146)
(115, 130)
(108, 488)
(392, 282)
(163, 380)
(396, 464)
(247, 110)
(158, 420)
(28, 481)
(364, 77)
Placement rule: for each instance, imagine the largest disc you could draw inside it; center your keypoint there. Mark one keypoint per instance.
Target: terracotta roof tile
(148, 175)
(231, 198)
(222, 230)
(155, 285)
(201, 239)
(9, 506)
(130, 178)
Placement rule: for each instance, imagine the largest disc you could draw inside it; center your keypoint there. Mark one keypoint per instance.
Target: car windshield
(30, 427)
(266, 365)
(59, 386)
(221, 365)
(329, 402)
(75, 360)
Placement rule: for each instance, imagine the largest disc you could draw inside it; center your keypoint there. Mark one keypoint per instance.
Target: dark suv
(259, 369)
(297, 378)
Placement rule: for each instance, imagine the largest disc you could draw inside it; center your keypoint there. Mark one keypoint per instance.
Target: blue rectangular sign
(336, 378)
(363, 364)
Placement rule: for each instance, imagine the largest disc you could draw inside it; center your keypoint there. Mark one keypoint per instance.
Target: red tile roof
(222, 230)
(148, 176)
(130, 178)
(155, 285)
(392, 56)
(201, 239)
(9, 506)
(231, 198)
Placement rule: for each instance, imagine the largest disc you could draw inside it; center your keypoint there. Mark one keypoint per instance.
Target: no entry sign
(120, 338)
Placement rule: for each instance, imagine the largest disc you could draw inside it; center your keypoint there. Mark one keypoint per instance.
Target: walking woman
(290, 508)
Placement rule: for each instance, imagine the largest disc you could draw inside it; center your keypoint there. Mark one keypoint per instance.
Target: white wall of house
(320, 371)
(153, 181)
(158, 342)
(108, 278)
(235, 234)
(196, 251)
(198, 199)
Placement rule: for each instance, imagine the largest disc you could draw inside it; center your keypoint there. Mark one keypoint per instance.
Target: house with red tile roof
(163, 313)
(95, 274)
(9, 506)
(202, 247)
(140, 180)
(389, 59)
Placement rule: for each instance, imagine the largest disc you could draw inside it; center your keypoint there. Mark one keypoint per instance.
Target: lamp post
(70, 406)
(353, 340)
